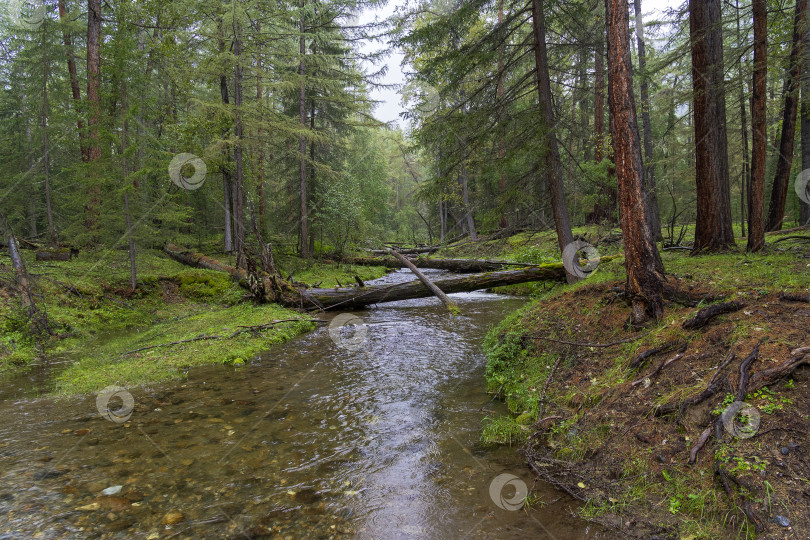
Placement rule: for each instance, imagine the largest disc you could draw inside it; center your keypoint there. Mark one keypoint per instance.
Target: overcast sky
(391, 106)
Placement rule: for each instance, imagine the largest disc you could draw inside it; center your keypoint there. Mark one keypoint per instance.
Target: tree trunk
(238, 150)
(260, 133)
(94, 77)
(74, 78)
(46, 150)
(804, 207)
(713, 228)
(133, 276)
(461, 266)
(465, 197)
(21, 274)
(503, 223)
(359, 297)
(302, 142)
(599, 96)
(745, 175)
(92, 206)
(756, 195)
(776, 207)
(562, 222)
(226, 173)
(449, 304)
(650, 193)
(642, 261)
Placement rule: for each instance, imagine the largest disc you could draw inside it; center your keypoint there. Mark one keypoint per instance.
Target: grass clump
(107, 362)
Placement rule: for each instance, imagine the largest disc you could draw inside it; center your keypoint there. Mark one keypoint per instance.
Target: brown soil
(620, 438)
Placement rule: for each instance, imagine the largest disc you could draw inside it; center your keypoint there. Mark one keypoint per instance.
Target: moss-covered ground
(98, 322)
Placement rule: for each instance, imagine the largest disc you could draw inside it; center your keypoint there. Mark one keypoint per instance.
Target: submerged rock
(173, 517)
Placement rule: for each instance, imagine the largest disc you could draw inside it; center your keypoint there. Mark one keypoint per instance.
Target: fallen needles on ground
(578, 344)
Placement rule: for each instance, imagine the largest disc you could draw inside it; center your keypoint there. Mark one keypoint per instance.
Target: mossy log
(461, 266)
(355, 297)
(360, 297)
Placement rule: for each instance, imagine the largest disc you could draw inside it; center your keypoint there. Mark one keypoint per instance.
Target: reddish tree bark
(776, 208)
(562, 222)
(713, 228)
(91, 209)
(74, 78)
(756, 198)
(642, 260)
(804, 208)
(93, 77)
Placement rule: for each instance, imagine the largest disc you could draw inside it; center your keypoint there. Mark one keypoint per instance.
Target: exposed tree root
(744, 504)
(791, 297)
(638, 360)
(701, 442)
(706, 314)
(796, 237)
(661, 366)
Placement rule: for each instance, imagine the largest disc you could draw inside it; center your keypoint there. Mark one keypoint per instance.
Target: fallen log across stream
(360, 297)
(451, 306)
(453, 265)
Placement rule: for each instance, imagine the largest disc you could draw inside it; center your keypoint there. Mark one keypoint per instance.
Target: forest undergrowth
(631, 422)
(105, 333)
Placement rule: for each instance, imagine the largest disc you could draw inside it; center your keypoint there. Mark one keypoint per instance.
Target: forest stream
(372, 432)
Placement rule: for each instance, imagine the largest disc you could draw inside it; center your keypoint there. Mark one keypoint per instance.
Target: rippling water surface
(311, 440)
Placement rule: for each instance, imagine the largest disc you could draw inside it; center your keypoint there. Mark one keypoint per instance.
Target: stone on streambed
(173, 517)
(120, 524)
(112, 490)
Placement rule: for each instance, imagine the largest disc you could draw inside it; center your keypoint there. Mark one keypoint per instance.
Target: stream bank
(104, 333)
(613, 416)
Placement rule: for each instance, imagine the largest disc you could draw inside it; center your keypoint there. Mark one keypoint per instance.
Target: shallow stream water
(367, 431)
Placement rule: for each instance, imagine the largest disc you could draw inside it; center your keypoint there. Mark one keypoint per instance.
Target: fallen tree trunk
(354, 297)
(198, 260)
(37, 319)
(454, 265)
(21, 274)
(409, 251)
(451, 306)
(359, 297)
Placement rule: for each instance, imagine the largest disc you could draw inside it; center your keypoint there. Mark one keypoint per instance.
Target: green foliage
(201, 284)
(502, 430)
